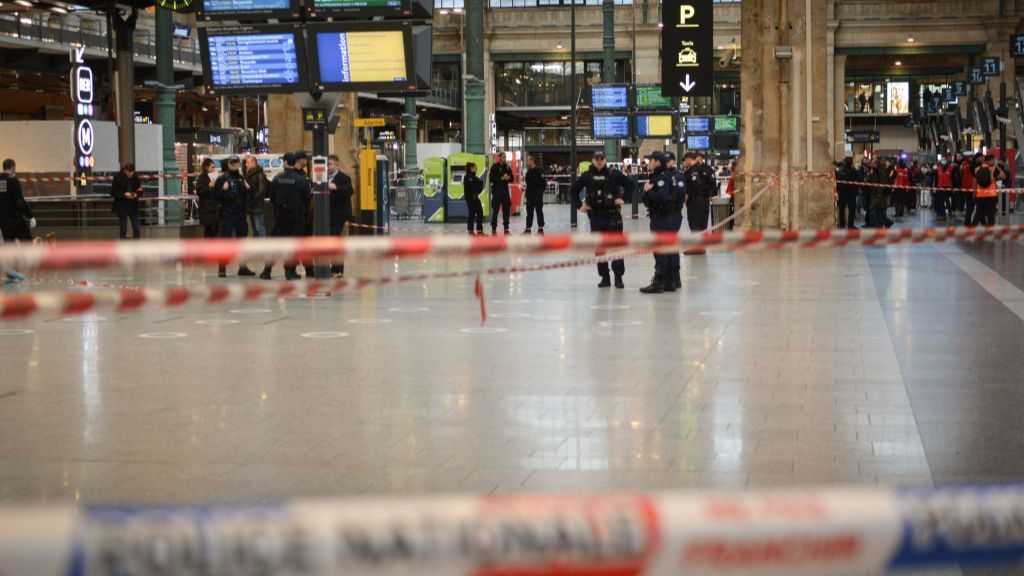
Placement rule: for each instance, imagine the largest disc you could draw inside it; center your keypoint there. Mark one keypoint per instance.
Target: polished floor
(876, 366)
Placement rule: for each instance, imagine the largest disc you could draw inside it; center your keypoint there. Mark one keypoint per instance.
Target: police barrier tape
(104, 178)
(107, 254)
(827, 532)
(122, 298)
(831, 177)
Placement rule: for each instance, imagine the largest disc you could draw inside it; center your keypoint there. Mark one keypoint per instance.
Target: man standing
(848, 188)
(256, 178)
(232, 193)
(290, 194)
(15, 216)
(659, 199)
(943, 183)
(535, 185)
(340, 187)
(985, 177)
(700, 187)
(672, 260)
(501, 198)
(602, 193)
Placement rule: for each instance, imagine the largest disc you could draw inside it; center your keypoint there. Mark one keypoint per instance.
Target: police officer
(290, 194)
(15, 216)
(700, 187)
(232, 193)
(602, 192)
(678, 203)
(501, 198)
(659, 198)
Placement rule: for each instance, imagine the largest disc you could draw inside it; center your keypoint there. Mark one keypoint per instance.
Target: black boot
(245, 271)
(265, 275)
(290, 274)
(677, 280)
(618, 282)
(606, 281)
(668, 284)
(222, 272)
(656, 287)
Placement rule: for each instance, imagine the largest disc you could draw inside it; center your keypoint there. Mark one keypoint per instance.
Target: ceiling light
(24, 3)
(444, 12)
(559, 46)
(898, 63)
(720, 48)
(910, 39)
(58, 10)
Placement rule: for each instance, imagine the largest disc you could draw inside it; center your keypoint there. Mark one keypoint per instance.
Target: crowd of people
(962, 191)
(238, 198)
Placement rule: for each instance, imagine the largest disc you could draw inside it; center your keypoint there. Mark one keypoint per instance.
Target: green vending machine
(435, 190)
(457, 210)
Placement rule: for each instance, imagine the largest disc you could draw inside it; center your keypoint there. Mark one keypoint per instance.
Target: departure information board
(245, 5)
(726, 124)
(241, 10)
(609, 97)
(698, 124)
(649, 97)
(364, 57)
(268, 58)
(611, 127)
(698, 142)
(654, 126)
(356, 4)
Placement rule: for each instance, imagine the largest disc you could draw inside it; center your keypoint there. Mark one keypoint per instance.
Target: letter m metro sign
(687, 48)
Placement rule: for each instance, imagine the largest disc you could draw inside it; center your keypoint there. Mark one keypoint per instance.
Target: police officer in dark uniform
(290, 194)
(602, 192)
(15, 216)
(700, 188)
(232, 193)
(678, 203)
(659, 198)
(501, 198)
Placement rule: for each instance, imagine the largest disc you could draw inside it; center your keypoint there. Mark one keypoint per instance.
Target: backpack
(983, 177)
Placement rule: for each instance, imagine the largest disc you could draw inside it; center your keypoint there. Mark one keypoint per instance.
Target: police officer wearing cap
(678, 203)
(290, 194)
(602, 192)
(232, 193)
(701, 186)
(659, 198)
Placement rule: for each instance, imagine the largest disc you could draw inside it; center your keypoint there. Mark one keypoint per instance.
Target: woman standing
(474, 186)
(126, 190)
(209, 208)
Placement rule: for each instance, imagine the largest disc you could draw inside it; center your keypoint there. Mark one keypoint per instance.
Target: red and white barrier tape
(108, 254)
(35, 179)
(819, 532)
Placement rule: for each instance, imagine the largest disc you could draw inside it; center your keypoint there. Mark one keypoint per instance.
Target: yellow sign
(367, 179)
(370, 123)
(376, 56)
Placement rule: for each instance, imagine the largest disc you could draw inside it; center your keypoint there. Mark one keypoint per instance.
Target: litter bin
(721, 208)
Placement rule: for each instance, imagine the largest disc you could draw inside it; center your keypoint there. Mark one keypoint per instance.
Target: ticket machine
(435, 190)
(457, 210)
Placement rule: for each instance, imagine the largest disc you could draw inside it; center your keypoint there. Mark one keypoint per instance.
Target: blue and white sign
(609, 97)
(242, 60)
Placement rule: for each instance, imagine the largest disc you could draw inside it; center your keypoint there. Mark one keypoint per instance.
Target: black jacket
(499, 187)
(119, 189)
(535, 185)
(209, 208)
(235, 199)
(848, 175)
(259, 187)
(474, 186)
(12, 202)
(341, 199)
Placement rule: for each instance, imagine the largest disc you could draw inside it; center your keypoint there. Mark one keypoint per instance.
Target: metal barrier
(833, 532)
(91, 217)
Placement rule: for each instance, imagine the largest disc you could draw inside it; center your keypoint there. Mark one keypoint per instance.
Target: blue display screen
(361, 57)
(698, 124)
(240, 60)
(611, 126)
(609, 97)
(245, 5)
(698, 142)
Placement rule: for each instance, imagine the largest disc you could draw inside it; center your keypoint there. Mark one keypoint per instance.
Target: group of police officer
(603, 191)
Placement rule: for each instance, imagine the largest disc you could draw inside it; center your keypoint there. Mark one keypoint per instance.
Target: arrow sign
(688, 84)
(687, 48)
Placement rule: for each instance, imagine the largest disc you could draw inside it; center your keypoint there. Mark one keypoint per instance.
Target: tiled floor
(898, 365)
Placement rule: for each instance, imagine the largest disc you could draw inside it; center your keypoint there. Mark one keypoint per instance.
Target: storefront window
(547, 83)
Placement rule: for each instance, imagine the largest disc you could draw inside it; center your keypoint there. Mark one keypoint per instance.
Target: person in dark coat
(16, 218)
(232, 191)
(126, 190)
(209, 208)
(501, 198)
(259, 187)
(535, 185)
(848, 189)
(341, 189)
(474, 187)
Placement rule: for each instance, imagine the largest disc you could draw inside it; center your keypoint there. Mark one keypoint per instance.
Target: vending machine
(457, 210)
(435, 190)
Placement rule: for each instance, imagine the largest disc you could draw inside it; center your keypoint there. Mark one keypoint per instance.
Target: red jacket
(902, 177)
(945, 176)
(967, 169)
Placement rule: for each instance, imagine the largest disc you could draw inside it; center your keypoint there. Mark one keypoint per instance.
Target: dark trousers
(970, 218)
(210, 231)
(987, 211)
(338, 266)
(504, 203)
(538, 208)
(476, 214)
(940, 201)
(847, 209)
(15, 229)
(607, 222)
(673, 262)
(234, 226)
(878, 218)
(122, 222)
(901, 201)
(698, 210)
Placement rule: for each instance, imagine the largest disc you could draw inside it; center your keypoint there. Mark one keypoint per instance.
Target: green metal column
(411, 129)
(164, 108)
(475, 88)
(611, 147)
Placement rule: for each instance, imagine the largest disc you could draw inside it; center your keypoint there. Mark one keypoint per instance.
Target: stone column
(838, 133)
(785, 112)
(284, 119)
(411, 128)
(124, 32)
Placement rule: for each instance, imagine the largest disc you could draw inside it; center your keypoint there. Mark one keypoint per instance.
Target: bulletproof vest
(602, 190)
(288, 191)
(233, 196)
